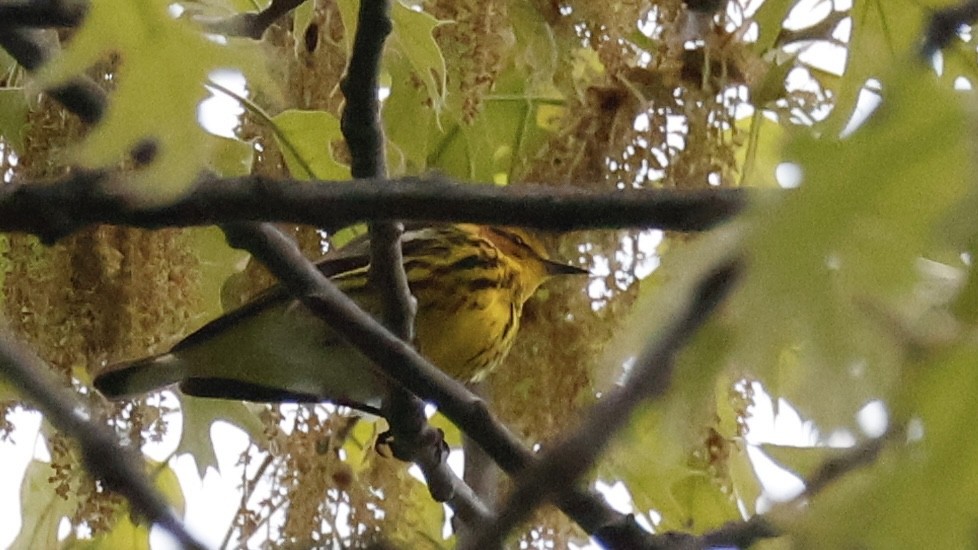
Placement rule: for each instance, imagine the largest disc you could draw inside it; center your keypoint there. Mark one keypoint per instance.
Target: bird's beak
(557, 268)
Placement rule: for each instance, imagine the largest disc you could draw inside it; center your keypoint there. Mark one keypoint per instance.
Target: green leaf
(41, 509)
(772, 87)
(168, 484)
(305, 138)
(650, 476)
(231, 157)
(301, 19)
(762, 155)
(653, 457)
(884, 32)
(124, 534)
(498, 141)
(218, 262)
(849, 237)
(919, 494)
(744, 481)
(413, 37)
(13, 117)
(769, 17)
(535, 44)
(424, 520)
(359, 445)
(158, 88)
(409, 125)
(198, 417)
(958, 58)
(965, 306)
(667, 480)
(706, 505)
(348, 14)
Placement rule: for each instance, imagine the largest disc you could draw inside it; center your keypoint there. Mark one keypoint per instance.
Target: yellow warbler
(470, 281)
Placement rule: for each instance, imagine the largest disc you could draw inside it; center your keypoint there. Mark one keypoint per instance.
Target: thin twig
(413, 439)
(360, 121)
(118, 467)
(944, 27)
(252, 24)
(854, 458)
(480, 473)
(743, 534)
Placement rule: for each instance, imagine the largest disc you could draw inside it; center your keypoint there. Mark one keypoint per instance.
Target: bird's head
(528, 251)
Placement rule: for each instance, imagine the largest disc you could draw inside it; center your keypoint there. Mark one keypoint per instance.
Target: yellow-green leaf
(198, 417)
(41, 509)
(413, 37)
(847, 242)
(305, 138)
(157, 90)
(13, 117)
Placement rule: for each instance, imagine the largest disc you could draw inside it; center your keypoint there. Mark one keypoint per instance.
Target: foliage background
(859, 287)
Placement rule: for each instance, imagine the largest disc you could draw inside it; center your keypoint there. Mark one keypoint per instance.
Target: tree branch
(55, 210)
(360, 121)
(119, 468)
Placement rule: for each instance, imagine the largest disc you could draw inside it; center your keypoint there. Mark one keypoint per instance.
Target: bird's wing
(276, 295)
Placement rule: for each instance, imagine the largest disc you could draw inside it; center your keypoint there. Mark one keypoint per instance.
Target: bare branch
(365, 138)
(118, 467)
(55, 210)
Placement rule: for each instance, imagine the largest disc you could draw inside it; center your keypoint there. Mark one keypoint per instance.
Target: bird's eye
(519, 240)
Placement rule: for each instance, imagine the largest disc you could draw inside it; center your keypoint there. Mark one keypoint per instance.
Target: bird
(470, 281)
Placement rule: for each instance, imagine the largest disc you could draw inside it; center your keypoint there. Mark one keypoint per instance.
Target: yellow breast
(472, 341)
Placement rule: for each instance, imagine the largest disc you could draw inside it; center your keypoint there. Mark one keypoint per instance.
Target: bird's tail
(133, 378)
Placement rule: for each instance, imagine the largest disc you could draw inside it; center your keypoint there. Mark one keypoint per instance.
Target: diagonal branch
(119, 468)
